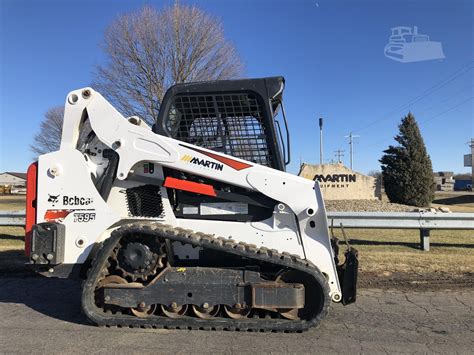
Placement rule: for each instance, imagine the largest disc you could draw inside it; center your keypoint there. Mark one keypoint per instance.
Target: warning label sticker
(224, 208)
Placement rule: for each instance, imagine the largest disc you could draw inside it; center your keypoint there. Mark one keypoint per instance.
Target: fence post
(425, 239)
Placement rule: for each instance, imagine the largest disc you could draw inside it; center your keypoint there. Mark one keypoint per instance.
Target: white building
(11, 179)
(444, 180)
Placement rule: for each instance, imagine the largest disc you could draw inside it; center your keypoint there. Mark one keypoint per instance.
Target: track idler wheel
(236, 312)
(144, 311)
(291, 314)
(174, 310)
(141, 311)
(206, 312)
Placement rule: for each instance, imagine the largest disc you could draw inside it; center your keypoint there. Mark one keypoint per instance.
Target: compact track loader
(192, 223)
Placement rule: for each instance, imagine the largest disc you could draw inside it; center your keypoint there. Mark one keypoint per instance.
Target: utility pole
(351, 146)
(321, 140)
(339, 155)
(472, 158)
(472, 161)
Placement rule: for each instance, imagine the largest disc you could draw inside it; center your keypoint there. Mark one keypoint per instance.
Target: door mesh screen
(231, 124)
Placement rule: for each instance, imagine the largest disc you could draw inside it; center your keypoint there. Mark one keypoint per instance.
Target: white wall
(341, 182)
(7, 179)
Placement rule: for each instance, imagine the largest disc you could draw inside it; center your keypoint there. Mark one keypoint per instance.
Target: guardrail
(12, 218)
(423, 221)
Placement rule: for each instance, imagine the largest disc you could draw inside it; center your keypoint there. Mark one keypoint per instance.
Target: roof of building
(444, 173)
(18, 175)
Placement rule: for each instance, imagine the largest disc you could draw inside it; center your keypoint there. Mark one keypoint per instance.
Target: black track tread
(97, 316)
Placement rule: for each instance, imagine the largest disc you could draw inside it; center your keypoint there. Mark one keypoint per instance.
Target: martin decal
(234, 164)
(203, 162)
(335, 178)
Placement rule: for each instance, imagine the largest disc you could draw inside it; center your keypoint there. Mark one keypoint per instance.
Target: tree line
(147, 51)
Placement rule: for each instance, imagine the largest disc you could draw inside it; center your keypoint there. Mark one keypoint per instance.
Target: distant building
(11, 179)
(338, 182)
(469, 159)
(444, 180)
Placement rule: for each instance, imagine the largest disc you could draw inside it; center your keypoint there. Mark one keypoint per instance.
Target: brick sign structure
(338, 182)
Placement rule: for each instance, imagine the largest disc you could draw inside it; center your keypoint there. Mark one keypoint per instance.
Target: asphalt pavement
(43, 316)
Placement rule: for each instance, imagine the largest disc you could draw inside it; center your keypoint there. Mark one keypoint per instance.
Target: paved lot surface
(43, 316)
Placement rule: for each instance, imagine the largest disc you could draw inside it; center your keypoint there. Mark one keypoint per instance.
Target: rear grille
(144, 201)
(231, 124)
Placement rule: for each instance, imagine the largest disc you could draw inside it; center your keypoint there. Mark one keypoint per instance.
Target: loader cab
(243, 118)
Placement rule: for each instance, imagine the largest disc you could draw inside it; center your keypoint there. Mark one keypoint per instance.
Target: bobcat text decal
(75, 200)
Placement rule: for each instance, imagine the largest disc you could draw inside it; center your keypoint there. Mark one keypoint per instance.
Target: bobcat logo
(53, 199)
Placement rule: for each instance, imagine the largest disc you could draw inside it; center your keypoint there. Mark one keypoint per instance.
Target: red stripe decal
(31, 178)
(190, 186)
(237, 165)
(54, 215)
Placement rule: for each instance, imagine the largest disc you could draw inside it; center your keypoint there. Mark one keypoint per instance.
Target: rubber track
(97, 271)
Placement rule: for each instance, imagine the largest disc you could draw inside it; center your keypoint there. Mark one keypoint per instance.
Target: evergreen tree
(406, 169)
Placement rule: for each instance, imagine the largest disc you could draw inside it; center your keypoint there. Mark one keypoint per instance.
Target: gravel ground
(366, 206)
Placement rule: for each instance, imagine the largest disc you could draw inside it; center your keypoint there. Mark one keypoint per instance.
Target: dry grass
(12, 238)
(12, 202)
(381, 251)
(455, 201)
(390, 251)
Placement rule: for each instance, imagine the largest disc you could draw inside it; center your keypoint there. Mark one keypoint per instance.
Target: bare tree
(150, 50)
(49, 137)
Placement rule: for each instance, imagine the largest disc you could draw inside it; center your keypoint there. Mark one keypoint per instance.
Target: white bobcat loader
(190, 224)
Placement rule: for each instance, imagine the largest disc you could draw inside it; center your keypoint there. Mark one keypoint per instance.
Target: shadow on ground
(456, 200)
(57, 298)
(11, 237)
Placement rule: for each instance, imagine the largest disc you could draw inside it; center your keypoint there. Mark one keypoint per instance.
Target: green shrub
(407, 171)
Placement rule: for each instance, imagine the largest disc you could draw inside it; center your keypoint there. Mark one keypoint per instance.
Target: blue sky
(330, 52)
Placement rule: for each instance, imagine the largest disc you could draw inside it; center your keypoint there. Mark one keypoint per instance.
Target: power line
(351, 144)
(461, 71)
(426, 120)
(448, 110)
(445, 99)
(339, 154)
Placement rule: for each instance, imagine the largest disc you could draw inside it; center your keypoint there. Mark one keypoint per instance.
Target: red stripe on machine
(55, 215)
(30, 220)
(190, 186)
